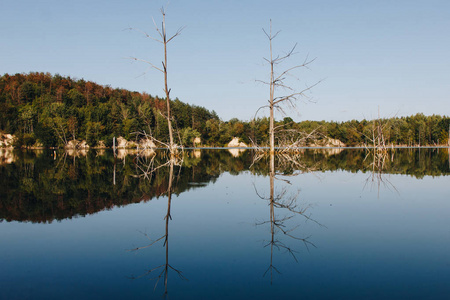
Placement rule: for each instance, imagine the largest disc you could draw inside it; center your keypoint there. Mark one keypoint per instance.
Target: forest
(44, 110)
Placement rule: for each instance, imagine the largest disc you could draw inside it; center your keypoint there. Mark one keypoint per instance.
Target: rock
(75, 145)
(236, 152)
(335, 143)
(131, 144)
(7, 156)
(121, 143)
(71, 144)
(235, 143)
(146, 144)
(327, 142)
(83, 145)
(121, 153)
(197, 141)
(6, 140)
(101, 144)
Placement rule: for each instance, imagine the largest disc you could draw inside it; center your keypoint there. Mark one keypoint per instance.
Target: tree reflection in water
(286, 204)
(162, 271)
(381, 159)
(46, 186)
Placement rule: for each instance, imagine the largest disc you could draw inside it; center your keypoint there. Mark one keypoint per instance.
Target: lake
(225, 224)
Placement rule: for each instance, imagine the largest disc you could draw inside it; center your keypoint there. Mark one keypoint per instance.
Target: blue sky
(391, 55)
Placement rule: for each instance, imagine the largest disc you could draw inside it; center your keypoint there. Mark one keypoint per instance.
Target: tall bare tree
(277, 80)
(163, 39)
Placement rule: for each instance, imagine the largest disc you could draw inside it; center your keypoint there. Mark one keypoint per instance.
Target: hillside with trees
(39, 108)
(46, 110)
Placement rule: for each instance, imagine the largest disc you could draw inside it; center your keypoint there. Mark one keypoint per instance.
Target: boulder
(236, 152)
(74, 145)
(334, 143)
(121, 143)
(234, 143)
(197, 141)
(131, 144)
(7, 156)
(71, 144)
(83, 145)
(101, 144)
(327, 142)
(146, 144)
(6, 140)
(197, 153)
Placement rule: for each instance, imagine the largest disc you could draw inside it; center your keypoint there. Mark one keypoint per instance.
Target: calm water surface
(320, 225)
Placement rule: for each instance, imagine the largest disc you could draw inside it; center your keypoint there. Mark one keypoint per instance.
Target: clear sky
(370, 54)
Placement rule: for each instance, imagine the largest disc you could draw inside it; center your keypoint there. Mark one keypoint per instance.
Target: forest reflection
(43, 186)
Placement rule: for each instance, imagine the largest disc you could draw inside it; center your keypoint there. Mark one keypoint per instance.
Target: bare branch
(266, 60)
(270, 36)
(144, 33)
(157, 29)
(147, 62)
(279, 59)
(177, 33)
(304, 65)
(179, 273)
(139, 248)
(295, 95)
(264, 82)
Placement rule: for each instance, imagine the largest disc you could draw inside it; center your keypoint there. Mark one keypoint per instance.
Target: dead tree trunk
(272, 93)
(164, 40)
(166, 88)
(278, 81)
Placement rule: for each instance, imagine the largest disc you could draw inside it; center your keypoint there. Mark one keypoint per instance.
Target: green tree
(188, 135)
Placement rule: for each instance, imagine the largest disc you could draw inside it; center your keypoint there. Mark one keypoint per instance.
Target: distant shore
(226, 148)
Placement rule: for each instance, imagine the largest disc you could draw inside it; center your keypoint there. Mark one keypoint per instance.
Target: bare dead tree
(146, 161)
(378, 137)
(278, 81)
(288, 157)
(60, 126)
(163, 39)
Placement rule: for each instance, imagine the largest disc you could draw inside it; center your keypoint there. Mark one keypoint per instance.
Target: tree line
(47, 110)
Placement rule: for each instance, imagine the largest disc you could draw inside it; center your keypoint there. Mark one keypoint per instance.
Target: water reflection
(283, 209)
(37, 187)
(236, 152)
(380, 158)
(214, 245)
(164, 268)
(6, 156)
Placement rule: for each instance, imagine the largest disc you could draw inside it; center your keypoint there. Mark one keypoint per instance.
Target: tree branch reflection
(378, 167)
(164, 268)
(282, 202)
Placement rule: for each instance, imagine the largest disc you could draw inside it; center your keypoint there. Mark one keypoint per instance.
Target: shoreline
(226, 148)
